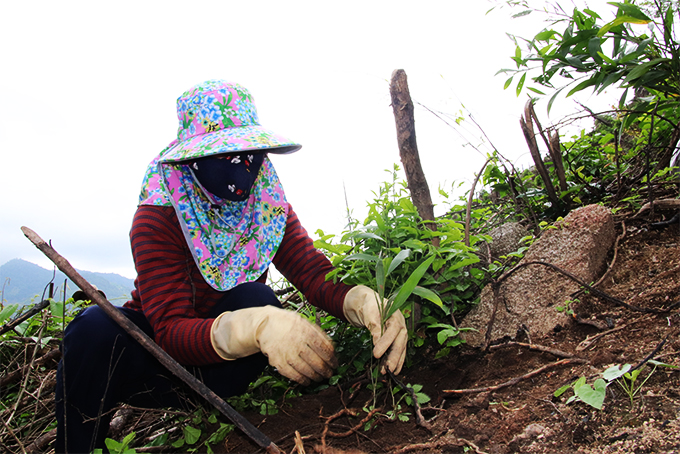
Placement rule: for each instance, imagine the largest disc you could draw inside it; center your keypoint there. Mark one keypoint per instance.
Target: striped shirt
(172, 294)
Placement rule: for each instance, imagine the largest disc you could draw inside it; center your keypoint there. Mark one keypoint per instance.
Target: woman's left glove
(361, 308)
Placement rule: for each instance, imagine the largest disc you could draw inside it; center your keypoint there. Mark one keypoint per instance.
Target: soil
(525, 416)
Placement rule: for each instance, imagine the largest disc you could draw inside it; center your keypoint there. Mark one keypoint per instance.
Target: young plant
(628, 380)
(594, 394)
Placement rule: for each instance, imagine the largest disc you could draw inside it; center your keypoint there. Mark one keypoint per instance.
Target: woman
(212, 218)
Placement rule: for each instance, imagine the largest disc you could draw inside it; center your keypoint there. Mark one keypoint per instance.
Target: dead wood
(596, 292)
(662, 204)
(23, 317)
(526, 123)
(535, 347)
(52, 355)
(516, 380)
(402, 106)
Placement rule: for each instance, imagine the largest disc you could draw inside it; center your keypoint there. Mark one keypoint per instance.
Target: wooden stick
(536, 347)
(515, 380)
(402, 106)
(173, 366)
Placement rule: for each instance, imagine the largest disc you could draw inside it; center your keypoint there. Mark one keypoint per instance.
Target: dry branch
(516, 380)
(535, 347)
(402, 106)
(527, 125)
(52, 355)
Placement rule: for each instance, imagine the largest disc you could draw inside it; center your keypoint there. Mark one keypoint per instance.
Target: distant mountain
(24, 282)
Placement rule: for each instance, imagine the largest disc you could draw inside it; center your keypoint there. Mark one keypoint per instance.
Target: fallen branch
(596, 292)
(588, 341)
(663, 204)
(54, 355)
(616, 251)
(166, 360)
(535, 347)
(23, 317)
(516, 380)
(651, 355)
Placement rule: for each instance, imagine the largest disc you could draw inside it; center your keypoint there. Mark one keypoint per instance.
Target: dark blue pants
(103, 366)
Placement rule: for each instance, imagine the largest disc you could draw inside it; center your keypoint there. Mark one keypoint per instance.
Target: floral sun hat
(218, 117)
(232, 242)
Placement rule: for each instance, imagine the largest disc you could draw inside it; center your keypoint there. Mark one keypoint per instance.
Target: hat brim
(228, 141)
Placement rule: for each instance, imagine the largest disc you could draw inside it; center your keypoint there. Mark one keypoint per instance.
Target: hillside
(24, 282)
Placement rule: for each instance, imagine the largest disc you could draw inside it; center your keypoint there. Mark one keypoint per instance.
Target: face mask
(228, 177)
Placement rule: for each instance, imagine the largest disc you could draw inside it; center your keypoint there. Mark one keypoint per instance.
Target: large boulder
(529, 297)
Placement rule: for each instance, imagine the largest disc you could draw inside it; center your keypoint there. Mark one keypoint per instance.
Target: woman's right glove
(299, 349)
(362, 308)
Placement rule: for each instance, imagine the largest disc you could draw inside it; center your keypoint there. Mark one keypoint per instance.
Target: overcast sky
(88, 91)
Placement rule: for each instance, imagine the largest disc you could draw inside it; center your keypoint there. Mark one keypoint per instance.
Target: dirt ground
(524, 416)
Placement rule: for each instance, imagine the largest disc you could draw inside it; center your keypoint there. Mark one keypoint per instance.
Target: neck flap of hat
(232, 242)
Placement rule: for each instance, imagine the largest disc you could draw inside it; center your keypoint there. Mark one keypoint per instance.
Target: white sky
(88, 91)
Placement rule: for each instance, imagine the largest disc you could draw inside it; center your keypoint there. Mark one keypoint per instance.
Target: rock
(506, 238)
(528, 299)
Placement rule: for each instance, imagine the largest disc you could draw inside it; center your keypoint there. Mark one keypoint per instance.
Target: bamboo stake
(166, 360)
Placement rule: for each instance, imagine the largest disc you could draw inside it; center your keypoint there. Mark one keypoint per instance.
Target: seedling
(628, 380)
(594, 394)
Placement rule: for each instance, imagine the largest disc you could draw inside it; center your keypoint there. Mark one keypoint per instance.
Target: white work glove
(299, 349)
(361, 308)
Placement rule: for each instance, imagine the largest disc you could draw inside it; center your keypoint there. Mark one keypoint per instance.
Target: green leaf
(659, 363)
(57, 308)
(408, 287)
(8, 311)
(593, 396)
(191, 434)
(561, 390)
(615, 372)
(364, 257)
(520, 84)
(619, 21)
(545, 35)
(429, 295)
(401, 256)
(508, 82)
(464, 262)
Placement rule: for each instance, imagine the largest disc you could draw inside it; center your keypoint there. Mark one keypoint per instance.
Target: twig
(22, 318)
(11, 432)
(588, 341)
(17, 374)
(536, 347)
(30, 366)
(616, 251)
(593, 290)
(516, 380)
(468, 209)
(416, 406)
(651, 355)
